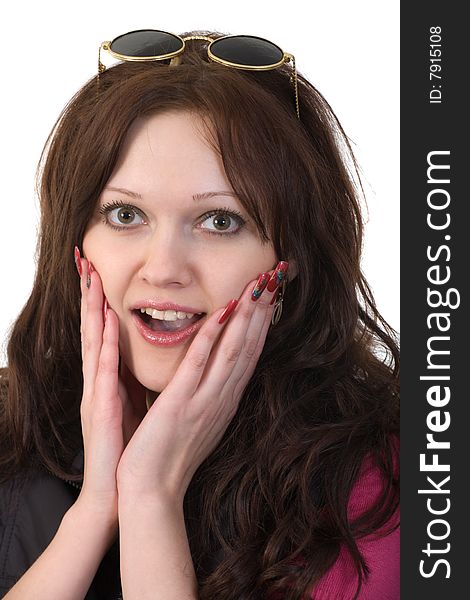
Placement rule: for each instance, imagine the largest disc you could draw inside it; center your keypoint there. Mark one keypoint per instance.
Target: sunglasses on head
(237, 51)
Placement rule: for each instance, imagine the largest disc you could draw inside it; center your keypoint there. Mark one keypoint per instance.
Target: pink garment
(382, 555)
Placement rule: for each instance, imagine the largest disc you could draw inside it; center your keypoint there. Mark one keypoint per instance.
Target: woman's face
(158, 242)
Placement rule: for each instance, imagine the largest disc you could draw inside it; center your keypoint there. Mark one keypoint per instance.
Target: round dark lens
(146, 43)
(247, 50)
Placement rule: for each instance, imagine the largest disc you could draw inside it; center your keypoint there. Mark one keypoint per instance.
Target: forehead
(168, 150)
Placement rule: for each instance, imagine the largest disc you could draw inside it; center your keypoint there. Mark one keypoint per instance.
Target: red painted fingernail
(105, 309)
(228, 311)
(259, 286)
(78, 262)
(91, 268)
(278, 275)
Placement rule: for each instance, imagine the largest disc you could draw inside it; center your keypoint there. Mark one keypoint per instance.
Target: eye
(124, 213)
(223, 220)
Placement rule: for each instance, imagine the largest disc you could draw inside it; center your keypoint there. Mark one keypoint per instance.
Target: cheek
(101, 248)
(93, 244)
(108, 260)
(241, 267)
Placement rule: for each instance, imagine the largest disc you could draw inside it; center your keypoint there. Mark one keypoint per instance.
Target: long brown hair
(267, 511)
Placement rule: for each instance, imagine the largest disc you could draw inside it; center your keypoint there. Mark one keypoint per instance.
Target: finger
(106, 382)
(105, 411)
(188, 377)
(244, 345)
(83, 290)
(81, 265)
(241, 374)
(242, 342)
(189, 373)
(266, 304)
(92, 332)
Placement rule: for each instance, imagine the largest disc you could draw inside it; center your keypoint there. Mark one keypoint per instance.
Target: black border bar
(435, 270)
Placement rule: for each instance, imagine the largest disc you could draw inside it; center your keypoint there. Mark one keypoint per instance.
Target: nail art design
(228, 311)
(78, 262)
(279, 295)
(278, 275)
(91, 268)
(259, 286)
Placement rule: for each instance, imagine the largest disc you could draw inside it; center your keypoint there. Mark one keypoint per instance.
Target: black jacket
(32, 505)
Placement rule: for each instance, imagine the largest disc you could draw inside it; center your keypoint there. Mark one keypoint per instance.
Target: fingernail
(105, 309)
(228, 311)
(91, 268)
(278, 275)
(259, 286)
(78, 262)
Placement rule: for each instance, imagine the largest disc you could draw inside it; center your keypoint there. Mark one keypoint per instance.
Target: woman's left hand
(191, 414)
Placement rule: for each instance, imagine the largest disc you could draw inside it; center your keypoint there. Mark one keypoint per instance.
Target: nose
(166, 259)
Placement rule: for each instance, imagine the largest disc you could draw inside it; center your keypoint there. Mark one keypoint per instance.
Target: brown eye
(222, 222)
(125, 215)
(120, 216)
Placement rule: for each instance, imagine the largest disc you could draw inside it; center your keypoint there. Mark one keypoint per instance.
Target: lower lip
(166, 338)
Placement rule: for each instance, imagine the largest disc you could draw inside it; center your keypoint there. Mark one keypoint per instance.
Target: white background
(348, 50)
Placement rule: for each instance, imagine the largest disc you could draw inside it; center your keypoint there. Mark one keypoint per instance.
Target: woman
(219, 366)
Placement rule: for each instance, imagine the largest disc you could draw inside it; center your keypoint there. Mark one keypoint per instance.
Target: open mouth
(161, 325)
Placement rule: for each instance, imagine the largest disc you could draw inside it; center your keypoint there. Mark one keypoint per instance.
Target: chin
(153, 367)
(155, 379)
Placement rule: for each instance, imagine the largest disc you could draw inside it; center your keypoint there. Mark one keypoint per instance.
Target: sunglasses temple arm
(101, 67)
(293, 80)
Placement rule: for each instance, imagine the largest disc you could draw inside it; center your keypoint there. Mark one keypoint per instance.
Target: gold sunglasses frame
(176, 58)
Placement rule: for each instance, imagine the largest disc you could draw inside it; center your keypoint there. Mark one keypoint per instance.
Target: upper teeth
(167, 315)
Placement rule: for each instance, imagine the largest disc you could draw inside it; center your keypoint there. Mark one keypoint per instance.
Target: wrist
(160, 502)
(85, 516)
(131, 494)
(156, 560)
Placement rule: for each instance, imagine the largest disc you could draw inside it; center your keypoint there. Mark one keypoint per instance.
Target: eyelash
(109, 206)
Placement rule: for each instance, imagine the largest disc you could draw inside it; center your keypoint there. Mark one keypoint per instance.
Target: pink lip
(164, 306)
(166, 338)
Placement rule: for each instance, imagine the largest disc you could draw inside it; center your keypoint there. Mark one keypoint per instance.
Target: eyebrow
(196, 197)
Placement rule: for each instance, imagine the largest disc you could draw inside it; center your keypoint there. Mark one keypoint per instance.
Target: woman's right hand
(104, 402)
(68, 565)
